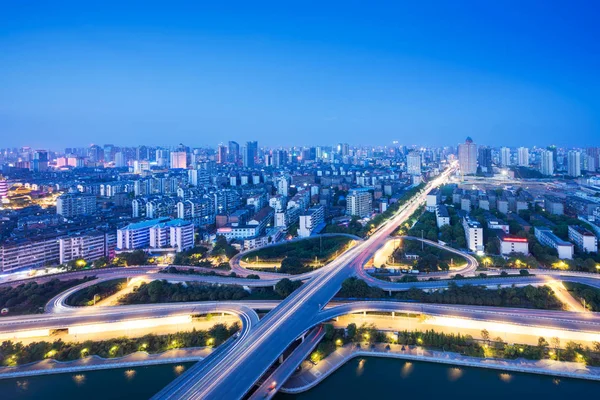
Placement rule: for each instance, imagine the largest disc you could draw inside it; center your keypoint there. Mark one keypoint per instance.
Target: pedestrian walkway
(92, 363)
(310, 375)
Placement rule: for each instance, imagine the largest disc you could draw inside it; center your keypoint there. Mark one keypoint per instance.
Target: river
(358, 379)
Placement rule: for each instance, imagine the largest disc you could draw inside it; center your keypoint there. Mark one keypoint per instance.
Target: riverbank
(93, 363)
(311, 375)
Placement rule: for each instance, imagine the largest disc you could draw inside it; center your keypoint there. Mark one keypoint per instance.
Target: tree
(351, 331)
(285, 287)
(485, 335)
(329, 332)
(492, 246)
(542, 343)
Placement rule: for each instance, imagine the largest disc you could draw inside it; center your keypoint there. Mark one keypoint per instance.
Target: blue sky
(506, 73)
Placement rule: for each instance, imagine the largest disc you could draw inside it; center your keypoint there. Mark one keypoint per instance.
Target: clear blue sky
(504, 72)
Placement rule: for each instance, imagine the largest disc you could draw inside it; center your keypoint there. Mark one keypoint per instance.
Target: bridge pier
(393, 314)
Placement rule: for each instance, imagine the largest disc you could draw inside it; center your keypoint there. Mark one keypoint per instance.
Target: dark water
(384, 378)
(374, 378)
(130, 383)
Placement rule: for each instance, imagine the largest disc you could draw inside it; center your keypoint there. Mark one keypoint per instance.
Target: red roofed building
(513, 244)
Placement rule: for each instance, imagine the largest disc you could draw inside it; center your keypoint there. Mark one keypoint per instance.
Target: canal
(358, 379)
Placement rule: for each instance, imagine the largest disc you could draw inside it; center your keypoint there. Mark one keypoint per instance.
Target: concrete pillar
(393, 314)
(281, 359)
(390, 293)
(364, 313)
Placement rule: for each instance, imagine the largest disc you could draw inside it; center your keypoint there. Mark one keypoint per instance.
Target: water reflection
(407, 368)
(454, 374)
(178, 369)
(79, 379)
(23, 385)
(505, 377)
(361, 367)
(129, 374)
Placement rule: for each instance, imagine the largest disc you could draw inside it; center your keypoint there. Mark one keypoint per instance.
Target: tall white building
(283, 185)
(504, 156)
(574, 163)
(547, 162)
(310, 220)
(179, 160)
(467, 157)
(359, 203)
(473, 233)
(413, 163)
(523, 157)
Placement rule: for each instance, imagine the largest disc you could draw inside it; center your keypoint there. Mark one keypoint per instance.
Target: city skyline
(139, 75)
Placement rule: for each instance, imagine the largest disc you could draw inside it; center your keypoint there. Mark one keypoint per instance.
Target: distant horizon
(242, 143)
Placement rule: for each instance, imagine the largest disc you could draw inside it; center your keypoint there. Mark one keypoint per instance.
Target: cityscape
(331, 259)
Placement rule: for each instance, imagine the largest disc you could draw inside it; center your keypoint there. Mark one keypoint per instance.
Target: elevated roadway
(240, 368)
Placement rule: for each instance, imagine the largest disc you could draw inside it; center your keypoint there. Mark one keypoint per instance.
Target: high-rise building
(485, 159)
(179, 160)
(547, 162)
(467, 157)
(413, 163)
(523, 157)
(359, 202)
(574, 163)
(40, 161)
(504, 157)
(162, 157)
(120, 160)
(3, 189)
(343, 149)
(234, 152)
(73, 204)
(279, 158)
(250, 154)
(221, 154)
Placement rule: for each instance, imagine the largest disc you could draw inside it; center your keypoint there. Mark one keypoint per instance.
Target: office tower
(279, 158)
(120, 160)
(343, 149)
(467, 157)
(547, 162)
(142, 153)
(413, 163)
(359, 203)
(108, 151)
(505, 157)
(485, 159)
(234, 152)
(221, 154)
(593, 158)
(588, 163)
(162, 157)
(574, 163)
(40, 161)
(179, 160)
(523, 157)
(554, 151)
(250, 154)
